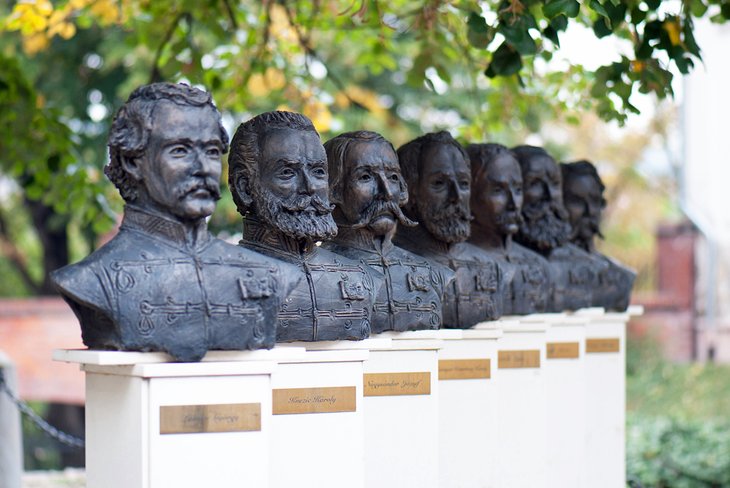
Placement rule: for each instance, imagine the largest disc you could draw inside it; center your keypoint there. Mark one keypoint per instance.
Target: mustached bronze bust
(279, 179)
(436, 169)
(583, 196)
(368, 191)
(545, 229)
(496, 203)
(163, 283)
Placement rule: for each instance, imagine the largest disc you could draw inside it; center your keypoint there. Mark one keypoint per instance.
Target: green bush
(663, 452)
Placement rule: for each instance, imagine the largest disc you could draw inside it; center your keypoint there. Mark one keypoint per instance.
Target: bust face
(181, 167)
(292, 191)
(545, 223)
(584, 203)
(542, 183)
(371, 186)
(443, 192)
(497, 198)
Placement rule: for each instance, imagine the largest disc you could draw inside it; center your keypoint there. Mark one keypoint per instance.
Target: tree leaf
(506, 61)
(479, 34)
(553, 8)
(596, 6)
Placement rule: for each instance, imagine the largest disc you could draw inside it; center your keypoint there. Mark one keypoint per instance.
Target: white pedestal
(521, 406)
(155, 424)
(565, 378)
(468, 439)
(401, 414)
(317, 427)
(605, 398)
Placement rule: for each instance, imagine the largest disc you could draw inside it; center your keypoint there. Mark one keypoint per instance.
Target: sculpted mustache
(539, 209)
(509, 218)
(380, 207)
(209, 185)
(297, 203)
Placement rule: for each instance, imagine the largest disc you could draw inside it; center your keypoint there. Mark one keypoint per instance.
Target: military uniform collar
(173, 232)
(260, 235)
(363, 240)
(419, 241)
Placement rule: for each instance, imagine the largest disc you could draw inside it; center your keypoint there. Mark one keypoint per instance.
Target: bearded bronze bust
(436, 169)
(163, 283)
(583, 196)
(496, 203)
(368, 191)
(279, 179)
(546, 230)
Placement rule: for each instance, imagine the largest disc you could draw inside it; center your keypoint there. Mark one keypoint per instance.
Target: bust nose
(384, 189)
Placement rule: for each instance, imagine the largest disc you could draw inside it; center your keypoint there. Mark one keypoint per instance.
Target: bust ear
(132, 166)
(240, 183)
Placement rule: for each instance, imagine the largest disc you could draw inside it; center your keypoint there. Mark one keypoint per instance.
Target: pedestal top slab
(517, 327)
(365, 344)
(491, 333)
(413, 344)
(330, 356)
(168, 370)
(439, 334)
(103, 358)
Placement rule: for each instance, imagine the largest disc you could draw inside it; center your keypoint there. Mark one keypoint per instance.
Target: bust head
(496, 194)
(436, 169)
(583, 196)
(366, 184)
(165, 149)
(278, 173)
(545, 224)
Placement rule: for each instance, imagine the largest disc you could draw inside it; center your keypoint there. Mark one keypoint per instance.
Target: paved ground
(69, 478)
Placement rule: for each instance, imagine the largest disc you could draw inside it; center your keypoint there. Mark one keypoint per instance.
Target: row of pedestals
(534, 401)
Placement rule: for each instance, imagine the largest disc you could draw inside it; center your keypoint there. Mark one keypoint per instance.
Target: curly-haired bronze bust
(583, 196)
(496, 202)
(545, 229)
(436, 169)
(368, 191)
(279, 180)
(163, 283)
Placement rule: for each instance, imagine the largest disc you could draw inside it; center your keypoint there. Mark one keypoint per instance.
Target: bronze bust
(583, 196)
(368, 190)
(545, 229)
(278, 176)
(436, 169)
(163, 283)
(496, 203)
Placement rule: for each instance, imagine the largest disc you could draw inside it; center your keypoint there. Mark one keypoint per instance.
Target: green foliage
(662, 452)
(678, 434)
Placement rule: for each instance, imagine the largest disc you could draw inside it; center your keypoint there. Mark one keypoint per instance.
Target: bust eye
(213, 152)
(364, 177)
(464, 184)
(319, 172)
(178, 151)
(286, 174)
(394, 178)
(438, 184)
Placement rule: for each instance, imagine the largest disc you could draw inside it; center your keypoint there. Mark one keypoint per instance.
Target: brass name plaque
(465, 369)
(198, 419)
(519, 359)
(392, 384)
(603, 345)
(314, 400)
(563, 350)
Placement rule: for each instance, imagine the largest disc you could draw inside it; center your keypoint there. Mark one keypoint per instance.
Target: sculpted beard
(449, 224)
(583, 231)
(298, 216)
(507, 219)
(544, 227)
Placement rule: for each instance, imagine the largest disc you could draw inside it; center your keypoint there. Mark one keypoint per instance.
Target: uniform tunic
(335, 296)
(152, 288)
(414, 287)
(475, 294)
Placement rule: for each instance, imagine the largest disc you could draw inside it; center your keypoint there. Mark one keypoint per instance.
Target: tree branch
(15, 257)
(310, 51)
(231, 14)
(155, 74)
